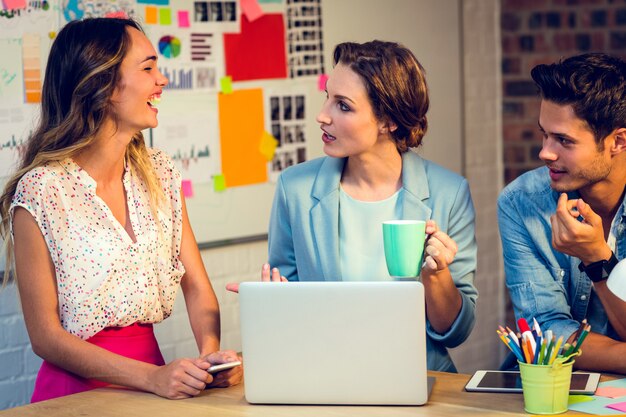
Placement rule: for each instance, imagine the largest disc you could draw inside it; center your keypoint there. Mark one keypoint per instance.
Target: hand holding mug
(440, 249)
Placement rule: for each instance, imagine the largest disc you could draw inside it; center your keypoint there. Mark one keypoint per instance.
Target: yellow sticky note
(226, 84)
(219, 182)
(151, 15)
(268, 146)
(165, 16)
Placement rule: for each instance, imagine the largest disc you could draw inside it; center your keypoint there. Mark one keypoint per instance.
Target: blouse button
(583, 297)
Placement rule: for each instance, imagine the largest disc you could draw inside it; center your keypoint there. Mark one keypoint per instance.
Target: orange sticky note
(187, 188)
(611, 392)
(268, 145)
(242, 163)
(151, 15)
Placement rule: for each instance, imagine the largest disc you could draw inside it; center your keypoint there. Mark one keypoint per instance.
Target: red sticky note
(14, 4)
(258, 52)
(251, 9)
(321, 82)
(183, 18)
(187, 188)
(119, 14)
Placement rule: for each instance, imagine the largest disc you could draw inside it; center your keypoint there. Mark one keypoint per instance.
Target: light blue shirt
(304, 232)
(361, 248)
(544, 283)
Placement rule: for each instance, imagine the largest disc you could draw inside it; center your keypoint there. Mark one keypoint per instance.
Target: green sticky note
(226, 84)
(575, 399)
(165, 16)
(219, 182)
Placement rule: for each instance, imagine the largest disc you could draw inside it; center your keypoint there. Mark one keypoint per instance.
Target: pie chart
(169, 46)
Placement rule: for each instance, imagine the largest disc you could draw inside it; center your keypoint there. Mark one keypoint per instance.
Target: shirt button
(583, 297)
(562, 273)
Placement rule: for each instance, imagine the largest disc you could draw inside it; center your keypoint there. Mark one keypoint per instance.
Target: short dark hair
(593, 84)
(395, 84)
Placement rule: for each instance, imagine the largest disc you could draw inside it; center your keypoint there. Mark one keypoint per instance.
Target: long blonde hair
(81, 75)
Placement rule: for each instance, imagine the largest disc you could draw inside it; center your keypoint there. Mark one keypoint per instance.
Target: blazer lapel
(416, 190)
(325, 217)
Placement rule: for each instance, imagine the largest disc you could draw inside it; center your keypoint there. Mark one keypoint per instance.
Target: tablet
(510, 381)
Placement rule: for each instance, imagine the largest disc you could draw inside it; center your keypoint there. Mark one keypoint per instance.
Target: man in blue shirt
(563, 226)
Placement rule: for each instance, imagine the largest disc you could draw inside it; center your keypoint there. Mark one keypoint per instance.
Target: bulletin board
(245, 84)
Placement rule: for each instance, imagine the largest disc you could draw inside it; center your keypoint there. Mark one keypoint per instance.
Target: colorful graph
(169, 46)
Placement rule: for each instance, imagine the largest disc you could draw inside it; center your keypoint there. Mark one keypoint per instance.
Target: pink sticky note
(14, 4)
(119, 14)
(183, 18)
(187, 188)
(251, 9)
(610, 392)
(618, 406)
(321, 82)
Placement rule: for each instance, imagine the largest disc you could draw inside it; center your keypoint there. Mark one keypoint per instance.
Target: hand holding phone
(223, 366)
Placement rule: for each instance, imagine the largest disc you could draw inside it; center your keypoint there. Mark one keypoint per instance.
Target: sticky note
(251, 9)
(158, 2)
(611, 392)
(187, 188)
(618, 406)
(183, 18)
(119, 14)
(321, 82)
(165, 16)
(268, 146)
(219, 182)
(575, 399)
(151, 15)
(14, 4)
(226, 85)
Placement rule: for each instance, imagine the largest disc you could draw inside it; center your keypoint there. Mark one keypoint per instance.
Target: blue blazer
(304, 231)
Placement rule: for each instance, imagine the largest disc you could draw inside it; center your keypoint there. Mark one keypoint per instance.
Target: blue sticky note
(156, 2)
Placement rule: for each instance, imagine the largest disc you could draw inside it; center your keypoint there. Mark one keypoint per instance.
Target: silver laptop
(334, 342)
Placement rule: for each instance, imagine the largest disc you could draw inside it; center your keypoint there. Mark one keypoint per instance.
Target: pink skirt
(136, 341)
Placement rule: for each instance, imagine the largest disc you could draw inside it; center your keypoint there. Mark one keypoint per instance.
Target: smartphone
(223, 366)
(510, 381)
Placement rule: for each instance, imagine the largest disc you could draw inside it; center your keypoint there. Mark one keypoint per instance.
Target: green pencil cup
(546, 387)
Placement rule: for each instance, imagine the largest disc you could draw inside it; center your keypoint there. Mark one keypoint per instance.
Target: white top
(103, 278)
(361, 247)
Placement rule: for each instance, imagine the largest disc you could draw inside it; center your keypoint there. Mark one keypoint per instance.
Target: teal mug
(404, 247)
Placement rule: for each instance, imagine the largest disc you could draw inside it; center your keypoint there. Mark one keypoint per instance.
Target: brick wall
(543, 31)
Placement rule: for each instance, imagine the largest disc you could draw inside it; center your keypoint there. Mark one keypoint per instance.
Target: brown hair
(81, 75)
(395, 84)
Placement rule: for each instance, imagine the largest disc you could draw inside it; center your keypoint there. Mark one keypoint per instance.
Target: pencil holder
(546, 387)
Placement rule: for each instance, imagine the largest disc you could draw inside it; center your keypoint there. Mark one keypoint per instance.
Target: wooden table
(448, 398)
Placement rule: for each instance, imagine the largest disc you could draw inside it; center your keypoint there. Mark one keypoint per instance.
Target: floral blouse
(103, 278)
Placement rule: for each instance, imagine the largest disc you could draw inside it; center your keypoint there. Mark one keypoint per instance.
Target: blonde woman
(98, 226)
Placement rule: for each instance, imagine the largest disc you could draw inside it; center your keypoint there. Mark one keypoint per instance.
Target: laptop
(334, 342)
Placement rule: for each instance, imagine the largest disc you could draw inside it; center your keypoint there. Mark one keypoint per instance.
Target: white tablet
(510, 381)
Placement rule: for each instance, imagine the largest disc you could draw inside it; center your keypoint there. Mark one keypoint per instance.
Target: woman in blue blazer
(327, 213)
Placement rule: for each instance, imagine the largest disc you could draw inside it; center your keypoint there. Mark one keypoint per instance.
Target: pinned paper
(575, 399)
(183, 18)
(268, 146)
(618, 406)
(611, 392)
(151, 15)
(14, 4)
(226, 85)
(219, 183)
(251, 9)
(31, 45)
(187, 188)
(258, 52)
(321, 82)
(240, 130)
(165, 16)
